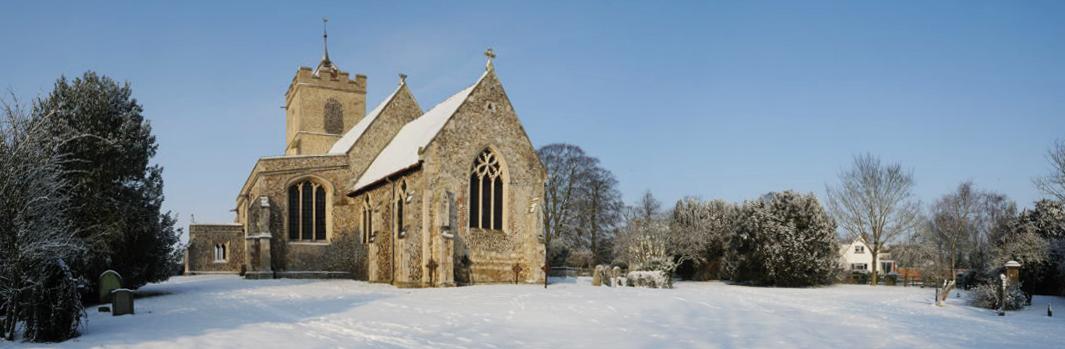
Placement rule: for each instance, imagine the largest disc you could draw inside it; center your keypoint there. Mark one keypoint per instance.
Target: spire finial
(402, 79)
(491, 55)
(325, 40)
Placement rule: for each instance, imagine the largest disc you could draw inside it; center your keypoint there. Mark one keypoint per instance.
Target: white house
(856, 256)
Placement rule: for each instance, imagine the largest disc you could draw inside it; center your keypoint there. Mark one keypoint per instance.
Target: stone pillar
(260, 241)
(448, 230)
(187, 260)
(264, 254)
(1013, 271)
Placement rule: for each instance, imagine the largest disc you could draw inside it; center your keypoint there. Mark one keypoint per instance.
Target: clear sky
(715, 99)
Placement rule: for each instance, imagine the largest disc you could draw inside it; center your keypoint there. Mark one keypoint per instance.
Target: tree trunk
(595, 228)
(872, 276)
(11, 316)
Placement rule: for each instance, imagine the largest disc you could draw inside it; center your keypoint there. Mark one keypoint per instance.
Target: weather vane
(325, 39)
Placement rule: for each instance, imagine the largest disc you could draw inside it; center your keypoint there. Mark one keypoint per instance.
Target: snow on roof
(344, 144)
(402, 152)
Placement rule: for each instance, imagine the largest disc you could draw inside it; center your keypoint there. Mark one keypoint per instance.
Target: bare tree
(964, 223)
(566, 166)
(37, 288)
(954, 223)
(1053, 184)
(582, 206)
(599, 209)
(874, 201)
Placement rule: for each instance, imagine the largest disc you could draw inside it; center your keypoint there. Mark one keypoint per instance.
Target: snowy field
(228, 312)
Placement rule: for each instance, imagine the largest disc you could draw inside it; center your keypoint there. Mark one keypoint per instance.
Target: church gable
(375, 131)
(402, 152)
(487, 120)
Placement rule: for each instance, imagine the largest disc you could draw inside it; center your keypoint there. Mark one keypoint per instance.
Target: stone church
(444, 197)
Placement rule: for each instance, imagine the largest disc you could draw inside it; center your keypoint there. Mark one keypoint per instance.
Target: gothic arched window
(486, 192)
(401, 196)
(334, 117)
(306, 211)
(367, 220)
(219, 252)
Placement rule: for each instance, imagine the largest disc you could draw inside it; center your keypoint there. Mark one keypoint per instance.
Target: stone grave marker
(121, 302)
(109, 281)
(597, 276)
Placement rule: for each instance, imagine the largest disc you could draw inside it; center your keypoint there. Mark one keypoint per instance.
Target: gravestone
(109, 281)
(597, 276)
(121, 302)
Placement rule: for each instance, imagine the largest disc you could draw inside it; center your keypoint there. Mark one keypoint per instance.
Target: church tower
(321, 105)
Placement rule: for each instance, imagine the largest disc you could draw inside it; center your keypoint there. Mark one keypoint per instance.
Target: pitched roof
(344, 144)
(402, 152)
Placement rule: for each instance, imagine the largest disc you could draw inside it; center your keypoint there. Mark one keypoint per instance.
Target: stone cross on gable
(491, 55)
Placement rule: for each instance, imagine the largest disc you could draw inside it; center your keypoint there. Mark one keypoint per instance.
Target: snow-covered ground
(228, 312)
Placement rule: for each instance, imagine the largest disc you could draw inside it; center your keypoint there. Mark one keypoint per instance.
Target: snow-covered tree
(37, 241)
(1037, 240)
(699, 231)
(874, 201)
(644, 243)
(116, 192)
(783, 239)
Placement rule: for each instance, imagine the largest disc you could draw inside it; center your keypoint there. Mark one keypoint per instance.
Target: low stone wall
(200, 257)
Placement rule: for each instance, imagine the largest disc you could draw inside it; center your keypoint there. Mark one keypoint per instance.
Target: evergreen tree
(783, 239)
(116, 192)
(1036, 239)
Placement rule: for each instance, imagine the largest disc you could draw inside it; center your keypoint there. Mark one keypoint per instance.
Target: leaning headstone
(109, 281)
(121, 302)
(597, 276)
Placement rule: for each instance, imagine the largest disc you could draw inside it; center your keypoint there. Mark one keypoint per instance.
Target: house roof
(402, 152)
(346, 142)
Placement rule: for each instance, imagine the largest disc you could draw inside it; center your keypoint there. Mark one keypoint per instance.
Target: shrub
(986, 296)
(859, 277)
(784, 239)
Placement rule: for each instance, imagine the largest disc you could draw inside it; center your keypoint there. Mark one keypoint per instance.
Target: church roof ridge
(402, 152)
(348, 140)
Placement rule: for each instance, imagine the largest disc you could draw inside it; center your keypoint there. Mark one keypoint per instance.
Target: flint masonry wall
(487, 120)
(201, 252)
(341, 251)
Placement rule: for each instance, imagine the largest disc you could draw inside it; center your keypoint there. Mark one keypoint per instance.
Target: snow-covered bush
(986, 296)
(783, 239)
(649, 279)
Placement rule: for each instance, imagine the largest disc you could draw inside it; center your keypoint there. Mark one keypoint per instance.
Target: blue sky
(715, 99)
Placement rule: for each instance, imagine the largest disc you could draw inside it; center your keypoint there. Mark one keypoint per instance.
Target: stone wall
(305, 103)
(398, 112)
(341, 251)
(488, 121)
(396, 258)
(202, 240)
